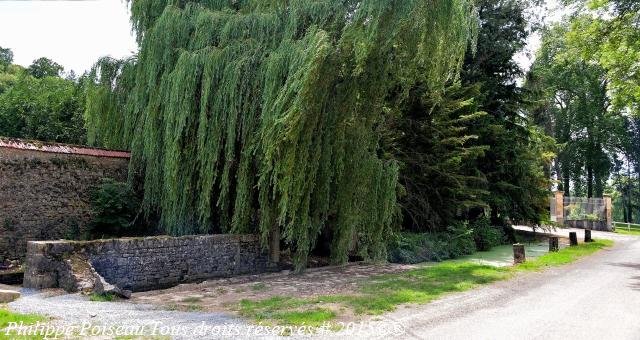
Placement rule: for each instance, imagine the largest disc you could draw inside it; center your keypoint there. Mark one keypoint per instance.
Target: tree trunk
(589, 181)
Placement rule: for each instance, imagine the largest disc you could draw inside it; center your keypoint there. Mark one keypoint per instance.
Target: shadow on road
(635, 285)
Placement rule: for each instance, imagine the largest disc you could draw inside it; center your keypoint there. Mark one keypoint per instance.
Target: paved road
(595, 298)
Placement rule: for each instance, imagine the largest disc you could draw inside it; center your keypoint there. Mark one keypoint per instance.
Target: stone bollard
(573, 238)
(587, 236)
(553, 244)
(518, 253)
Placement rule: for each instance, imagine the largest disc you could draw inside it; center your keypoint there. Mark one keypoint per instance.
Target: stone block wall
(45, 195)
(140, 264)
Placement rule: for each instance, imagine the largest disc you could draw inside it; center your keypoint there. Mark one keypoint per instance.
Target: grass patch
(385, 293)
(102, 297)
(314, 317)
(566, 255)
(7, 317)
(623, 228)
(624, 231)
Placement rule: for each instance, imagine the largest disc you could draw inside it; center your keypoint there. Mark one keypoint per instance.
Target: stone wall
(140, 264)
(45, 195)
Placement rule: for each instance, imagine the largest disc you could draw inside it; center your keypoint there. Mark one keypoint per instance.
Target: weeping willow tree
(266, 115)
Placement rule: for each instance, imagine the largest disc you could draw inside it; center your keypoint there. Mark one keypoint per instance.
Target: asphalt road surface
(597, 297)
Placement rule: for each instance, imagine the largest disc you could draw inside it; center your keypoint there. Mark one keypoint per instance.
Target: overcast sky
(76, 33)
(72, 33)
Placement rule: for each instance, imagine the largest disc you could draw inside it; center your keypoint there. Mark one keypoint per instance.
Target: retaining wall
(140, 264)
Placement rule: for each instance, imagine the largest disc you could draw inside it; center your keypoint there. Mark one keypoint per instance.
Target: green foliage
(572, 102)
(516, 162)
(44, 67)
(48, 109)
(457, 241)
(485, 235)
(407, 247)
(606, 32)
(102, 297)
(266, 113)
(460, 239)
(6, 57)
(115, 207)
(431, 141)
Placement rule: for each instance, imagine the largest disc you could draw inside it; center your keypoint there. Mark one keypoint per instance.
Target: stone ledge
(7, 296)
(139, 264)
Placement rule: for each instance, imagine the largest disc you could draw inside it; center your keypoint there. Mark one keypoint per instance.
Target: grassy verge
(566, 255)
(102, 297)
(7, 317)
(384, 293)
(623, 231)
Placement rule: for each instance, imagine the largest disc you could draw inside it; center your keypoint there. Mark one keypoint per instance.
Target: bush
(115, 206)
(460, 239)
(415, 248)
(485, 235)
(422, 247)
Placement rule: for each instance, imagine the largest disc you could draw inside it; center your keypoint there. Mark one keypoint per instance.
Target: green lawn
(102, 297)
(7, 317)
(384, 293)
(624, 231)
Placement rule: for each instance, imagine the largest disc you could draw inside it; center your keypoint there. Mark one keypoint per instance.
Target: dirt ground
(223, 295)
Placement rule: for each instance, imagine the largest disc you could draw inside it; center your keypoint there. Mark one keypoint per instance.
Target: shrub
(422, 247)
(485, 235)
(415, 248)
(460, 240)
(115, 206)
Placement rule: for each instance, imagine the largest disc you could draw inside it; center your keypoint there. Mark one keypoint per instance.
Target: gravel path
(104, 319)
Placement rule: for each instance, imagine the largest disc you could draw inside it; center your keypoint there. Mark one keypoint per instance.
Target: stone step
(7, 296)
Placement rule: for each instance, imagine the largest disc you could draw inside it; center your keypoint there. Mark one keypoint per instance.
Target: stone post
(518, 253)
(573, 238)
(608, 212)
(559, 196)
(587, 236)
(553, 244)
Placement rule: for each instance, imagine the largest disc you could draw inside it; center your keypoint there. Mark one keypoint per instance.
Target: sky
(74, 34)
(77, 33)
